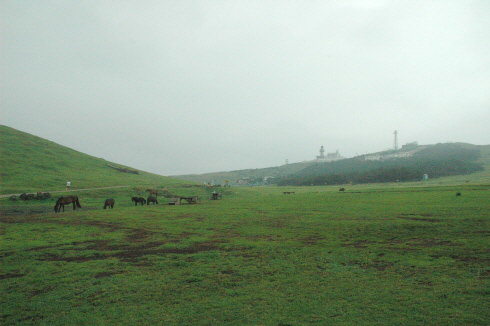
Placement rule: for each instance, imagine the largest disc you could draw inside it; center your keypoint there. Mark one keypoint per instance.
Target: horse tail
(77, 202)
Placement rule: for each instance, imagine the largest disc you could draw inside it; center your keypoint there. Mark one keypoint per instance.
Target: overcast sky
(182, 87)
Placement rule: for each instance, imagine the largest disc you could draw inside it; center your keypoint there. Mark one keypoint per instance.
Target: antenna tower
(395, 145)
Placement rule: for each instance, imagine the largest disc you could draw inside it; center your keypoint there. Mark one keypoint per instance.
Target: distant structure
(329, 157)
(395, 144)
(407, 150)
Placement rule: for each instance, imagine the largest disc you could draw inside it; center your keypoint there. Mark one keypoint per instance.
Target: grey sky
(181, 87)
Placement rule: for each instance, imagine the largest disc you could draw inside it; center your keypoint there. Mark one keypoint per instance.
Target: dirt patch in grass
(357, 244)
(138, 235)
(74, 221)
(128, 253)
(10, 275)
(430, 243)
(418, 217)
(23, 211)
(379, 265)
(41, 291)
(106, 274)
(472, 260)
(312, 239)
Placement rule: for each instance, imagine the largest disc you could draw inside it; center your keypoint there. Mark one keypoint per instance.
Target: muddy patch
(312, 239)
(74, 221)
(131, 254)
(418, 217)
(357, 244)
(41, 291)
(430, 243)
(106, 274)
(138, 235)
(11, 275)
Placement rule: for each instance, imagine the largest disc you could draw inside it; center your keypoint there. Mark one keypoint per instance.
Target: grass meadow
(411, 254)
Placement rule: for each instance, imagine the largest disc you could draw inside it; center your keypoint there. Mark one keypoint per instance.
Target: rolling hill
(463, 159)
(29, 164)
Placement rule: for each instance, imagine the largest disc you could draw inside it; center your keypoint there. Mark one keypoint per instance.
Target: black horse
(137, 200)
(216, 195)
(66, 200)
(109, 203)
(152, 199)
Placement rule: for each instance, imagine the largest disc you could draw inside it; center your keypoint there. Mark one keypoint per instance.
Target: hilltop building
(407, 150)
(329, 157)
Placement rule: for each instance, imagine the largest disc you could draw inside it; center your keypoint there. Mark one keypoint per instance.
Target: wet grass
(367, 256)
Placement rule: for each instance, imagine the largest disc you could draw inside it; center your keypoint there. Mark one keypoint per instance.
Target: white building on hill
(329, 157)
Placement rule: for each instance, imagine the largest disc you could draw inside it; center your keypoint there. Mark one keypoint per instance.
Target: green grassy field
(385, 254)
(368, 256)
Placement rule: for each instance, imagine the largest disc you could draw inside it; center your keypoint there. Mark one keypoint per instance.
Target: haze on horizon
(189, 87)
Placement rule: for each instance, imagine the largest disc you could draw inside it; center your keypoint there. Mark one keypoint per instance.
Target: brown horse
(66, 200)
(153, 192)
(109, 203)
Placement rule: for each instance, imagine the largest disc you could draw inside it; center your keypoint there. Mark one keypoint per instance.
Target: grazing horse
(216, 195)
(109, 203)
(152, 199)
(153, 192)
(66, 200)
(137, 200)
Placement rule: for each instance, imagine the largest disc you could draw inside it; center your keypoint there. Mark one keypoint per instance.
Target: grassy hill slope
(440, 160)
(349, 165)
(29, 164)
(256, 174)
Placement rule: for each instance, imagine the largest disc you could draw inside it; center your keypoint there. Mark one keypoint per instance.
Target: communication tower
(395, 145)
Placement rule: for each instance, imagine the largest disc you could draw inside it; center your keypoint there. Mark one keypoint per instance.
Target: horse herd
(75, 202)
(66, 200)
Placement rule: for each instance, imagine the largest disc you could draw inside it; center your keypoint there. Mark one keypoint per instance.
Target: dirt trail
(71, 190)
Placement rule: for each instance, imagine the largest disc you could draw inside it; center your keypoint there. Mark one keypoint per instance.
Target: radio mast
(395, 144)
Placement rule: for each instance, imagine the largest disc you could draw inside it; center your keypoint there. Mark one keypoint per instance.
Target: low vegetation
(364, 256)
(375, 254)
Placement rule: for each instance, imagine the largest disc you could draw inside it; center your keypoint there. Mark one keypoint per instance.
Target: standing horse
(153, 192)
(152, 199)
(137, 200)
(109, 203)
(216, 195)
(66, 200)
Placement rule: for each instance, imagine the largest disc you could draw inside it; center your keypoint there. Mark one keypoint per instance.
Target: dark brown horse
(216, 195)
(137, 200)
(109, 203)
(152, 199)
(66, 200)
